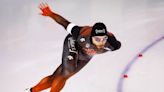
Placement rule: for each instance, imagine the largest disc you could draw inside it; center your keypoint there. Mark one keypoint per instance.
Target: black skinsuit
(78, 50)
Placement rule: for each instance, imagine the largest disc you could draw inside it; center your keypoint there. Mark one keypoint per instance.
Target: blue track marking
(131, 63)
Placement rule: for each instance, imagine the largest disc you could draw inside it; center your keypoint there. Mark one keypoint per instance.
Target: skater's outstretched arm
(46, 11)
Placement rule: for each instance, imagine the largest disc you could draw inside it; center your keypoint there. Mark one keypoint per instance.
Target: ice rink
(31, 45)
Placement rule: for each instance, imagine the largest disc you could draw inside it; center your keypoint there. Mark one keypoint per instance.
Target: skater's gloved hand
(46, 11)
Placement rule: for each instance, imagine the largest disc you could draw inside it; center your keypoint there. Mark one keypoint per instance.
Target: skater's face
(99, 41)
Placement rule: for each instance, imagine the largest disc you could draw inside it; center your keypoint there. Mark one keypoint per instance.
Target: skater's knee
(47, 79)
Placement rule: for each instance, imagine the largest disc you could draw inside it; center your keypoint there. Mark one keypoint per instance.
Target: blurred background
(31, 45)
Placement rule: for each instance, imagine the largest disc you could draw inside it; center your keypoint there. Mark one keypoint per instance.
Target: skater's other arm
(114, 43)
(73, 29)
(46, 11)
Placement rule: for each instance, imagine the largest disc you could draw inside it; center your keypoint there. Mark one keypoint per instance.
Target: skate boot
(28, 90)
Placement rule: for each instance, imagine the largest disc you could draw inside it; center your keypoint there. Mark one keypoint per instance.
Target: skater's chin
(100, 46)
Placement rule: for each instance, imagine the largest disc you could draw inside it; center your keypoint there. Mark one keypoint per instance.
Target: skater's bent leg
(58, 84)
(43, 84)
(69, 64)
(59, 81)
(47, 81)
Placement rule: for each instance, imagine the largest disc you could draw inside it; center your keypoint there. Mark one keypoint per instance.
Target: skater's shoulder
(109, 33)
(86, 31)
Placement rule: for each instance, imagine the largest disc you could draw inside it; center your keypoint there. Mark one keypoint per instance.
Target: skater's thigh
(70, 54)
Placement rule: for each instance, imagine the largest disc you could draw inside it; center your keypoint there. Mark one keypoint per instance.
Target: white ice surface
(31, 45)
